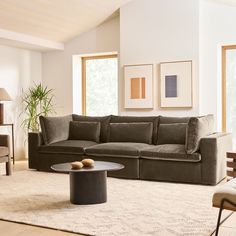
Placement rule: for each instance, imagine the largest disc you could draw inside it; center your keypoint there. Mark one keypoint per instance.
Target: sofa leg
(8, 167)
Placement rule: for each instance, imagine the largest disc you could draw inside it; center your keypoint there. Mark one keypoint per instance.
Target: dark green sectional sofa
(179, 149)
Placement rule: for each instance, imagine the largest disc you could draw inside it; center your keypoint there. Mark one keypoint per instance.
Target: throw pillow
(104, 120)
(137, 119)
(172, 133)
(85, 131)
(140, 132)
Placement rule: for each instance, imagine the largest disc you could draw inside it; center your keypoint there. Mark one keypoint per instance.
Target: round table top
(98, 166)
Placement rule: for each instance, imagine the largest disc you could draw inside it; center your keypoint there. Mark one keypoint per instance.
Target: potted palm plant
(37, 101)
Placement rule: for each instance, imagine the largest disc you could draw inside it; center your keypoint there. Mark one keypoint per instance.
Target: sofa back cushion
(140, 132)
(55, 129)
(197, 128)
(104, 120)
(139, 119)
(80, 130)
(172, 119)
(174, 133)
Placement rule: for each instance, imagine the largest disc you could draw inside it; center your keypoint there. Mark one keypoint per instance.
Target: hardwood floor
(228, 228)
(14, 229)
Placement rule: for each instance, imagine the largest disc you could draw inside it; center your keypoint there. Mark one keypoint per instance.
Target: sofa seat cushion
(170, 152)
(68, 146)
(117, 149)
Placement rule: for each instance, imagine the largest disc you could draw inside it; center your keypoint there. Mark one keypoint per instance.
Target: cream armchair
(224, 198)
(5, 153)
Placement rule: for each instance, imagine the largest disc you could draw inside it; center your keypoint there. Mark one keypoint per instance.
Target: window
(100, 85)
(229, 90)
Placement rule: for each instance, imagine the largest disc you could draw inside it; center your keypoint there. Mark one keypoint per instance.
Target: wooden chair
(5, 153)
(224, 198)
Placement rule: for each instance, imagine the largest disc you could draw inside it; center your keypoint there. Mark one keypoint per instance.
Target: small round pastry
(88, 162)
(77, 165)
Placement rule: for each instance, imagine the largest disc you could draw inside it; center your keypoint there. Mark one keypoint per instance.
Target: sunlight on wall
(19, 69)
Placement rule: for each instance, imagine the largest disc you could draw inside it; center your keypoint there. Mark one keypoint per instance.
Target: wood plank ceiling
(56, 20)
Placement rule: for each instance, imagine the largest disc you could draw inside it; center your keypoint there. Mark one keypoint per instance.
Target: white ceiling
(55, 20)
(227, 2)
(48, 24)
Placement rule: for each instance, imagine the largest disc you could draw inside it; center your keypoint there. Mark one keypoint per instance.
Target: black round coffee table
(89, 184)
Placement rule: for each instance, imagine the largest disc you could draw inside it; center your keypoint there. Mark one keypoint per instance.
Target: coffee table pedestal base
(88, 188)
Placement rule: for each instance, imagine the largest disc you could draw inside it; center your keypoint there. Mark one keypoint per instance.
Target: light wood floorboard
(15, 229)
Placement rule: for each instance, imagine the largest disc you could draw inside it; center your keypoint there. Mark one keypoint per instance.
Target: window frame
(223, 52)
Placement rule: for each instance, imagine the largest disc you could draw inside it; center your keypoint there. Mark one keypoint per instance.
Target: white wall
(217, 28)
(18, 70)
(153, 32)
(159, 31)
(57, 66)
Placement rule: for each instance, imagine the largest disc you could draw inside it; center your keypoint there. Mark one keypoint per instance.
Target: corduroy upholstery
(165, 157)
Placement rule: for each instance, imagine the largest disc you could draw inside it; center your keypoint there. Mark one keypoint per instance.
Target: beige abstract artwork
(138, 85)
(137, 88)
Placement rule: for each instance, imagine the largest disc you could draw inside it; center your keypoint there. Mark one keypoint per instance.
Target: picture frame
(138, 83)
(176, 84)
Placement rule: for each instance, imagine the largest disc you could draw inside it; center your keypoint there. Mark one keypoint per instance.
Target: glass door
(229, 90)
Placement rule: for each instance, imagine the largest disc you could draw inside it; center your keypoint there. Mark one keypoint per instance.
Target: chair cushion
(197, 128)
(85, 131)
(4, 140)
(228, 191)
(4, 151)
(174, 133)
(104, 123)
(136, 119)
(170, 152)
(117, 149)
(68, 146)
(55, 129)
(131, 132)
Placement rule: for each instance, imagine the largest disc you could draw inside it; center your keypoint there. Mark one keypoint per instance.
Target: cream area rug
(134, 207)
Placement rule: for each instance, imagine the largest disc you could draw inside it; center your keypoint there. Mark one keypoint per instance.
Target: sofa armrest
(213, 150)
(4, 140)
(34, 141)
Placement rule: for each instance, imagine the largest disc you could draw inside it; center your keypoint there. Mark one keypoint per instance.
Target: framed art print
(138, 81)
(176, 84)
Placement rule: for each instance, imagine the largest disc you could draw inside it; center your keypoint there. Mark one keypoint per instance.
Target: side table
(231, 165)
(12, 138)
(89, 184)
